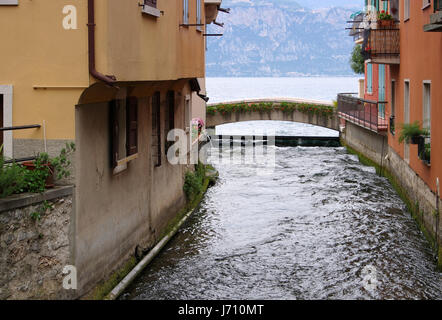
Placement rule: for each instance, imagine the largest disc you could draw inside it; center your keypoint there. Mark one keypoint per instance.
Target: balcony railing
(383, 46)
(365, 113)
(435, 24)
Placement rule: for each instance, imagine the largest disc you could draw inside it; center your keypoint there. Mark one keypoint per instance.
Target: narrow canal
(321, 226)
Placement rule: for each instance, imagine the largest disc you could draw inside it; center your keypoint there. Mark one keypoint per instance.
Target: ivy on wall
(286, 107)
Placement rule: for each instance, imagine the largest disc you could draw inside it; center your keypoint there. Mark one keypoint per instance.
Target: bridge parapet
(313, 112)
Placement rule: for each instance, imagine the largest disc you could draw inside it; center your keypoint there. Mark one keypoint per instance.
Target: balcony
(435, 24)
(364, 113)
(383, 46)
(211, 7)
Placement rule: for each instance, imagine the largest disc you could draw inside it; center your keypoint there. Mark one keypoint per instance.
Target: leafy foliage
(287, 107)
(357, 61)
(12, 178)
(61, 163)
(193, 182)
(15, 178)
(36, 215)
(409, 130)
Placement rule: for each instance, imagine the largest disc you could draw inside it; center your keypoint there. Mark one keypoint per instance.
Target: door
(382, 91)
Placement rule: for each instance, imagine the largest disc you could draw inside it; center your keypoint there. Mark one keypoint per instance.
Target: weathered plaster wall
(33, 253)
(115, 213)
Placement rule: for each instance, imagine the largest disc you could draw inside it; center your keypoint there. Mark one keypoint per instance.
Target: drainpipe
(91, 40)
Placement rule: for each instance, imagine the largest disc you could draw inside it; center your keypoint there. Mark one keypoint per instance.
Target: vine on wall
(286, 107)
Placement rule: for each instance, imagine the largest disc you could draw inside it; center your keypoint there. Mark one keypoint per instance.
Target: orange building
(416, 86)
(401, 42)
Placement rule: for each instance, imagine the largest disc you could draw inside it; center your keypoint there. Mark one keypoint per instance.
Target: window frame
(186, 15)
(7, 92)
(170, 119)
(8, 2)
(369, 78)
(407, 11)
(156, 129)
(426, 5)
(150, 8)
(119, 164)
(407, 103)
(199, 15)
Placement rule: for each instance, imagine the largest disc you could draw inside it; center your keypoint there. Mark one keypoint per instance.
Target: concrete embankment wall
(33, 252)
(421, 199)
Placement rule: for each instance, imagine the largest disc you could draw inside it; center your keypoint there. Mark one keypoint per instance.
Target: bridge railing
(365, 113)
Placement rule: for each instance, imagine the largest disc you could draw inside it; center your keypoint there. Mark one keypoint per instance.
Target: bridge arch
(316, 113)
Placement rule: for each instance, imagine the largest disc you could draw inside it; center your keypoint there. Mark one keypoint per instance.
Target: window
(426, 123)
(198, 15)
(6, 93)
(394, 9)
(124, 126)
(150, 8)
(156, 129)
(406, 10)
(393, 107)
(170, 119)
(8, 2)
(385, 6)
(369, 78)
(407, 116)
(187, 113)
(426, 4)
(185, 11)
(151, 3)
(425, 149)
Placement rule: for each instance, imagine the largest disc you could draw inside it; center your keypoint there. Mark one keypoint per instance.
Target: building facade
(114, 77)
(403, 85)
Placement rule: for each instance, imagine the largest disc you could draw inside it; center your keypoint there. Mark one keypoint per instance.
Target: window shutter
(132, 126)
(114, 133)
(156, 128)
(170, 120)
(151, 3)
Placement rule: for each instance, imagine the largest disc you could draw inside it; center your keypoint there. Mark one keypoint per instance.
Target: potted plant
(44, 168)
(412, 133)
(42, 171)
(425, 153)
(385, 20)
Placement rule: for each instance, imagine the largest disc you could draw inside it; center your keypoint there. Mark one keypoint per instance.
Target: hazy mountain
(280, 38)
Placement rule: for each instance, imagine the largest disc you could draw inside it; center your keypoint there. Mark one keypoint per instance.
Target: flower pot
(49, 183)
(417, 140)
(385, 24)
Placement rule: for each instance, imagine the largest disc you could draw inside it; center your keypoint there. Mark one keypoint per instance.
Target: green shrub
(12, 178)
(193, 182)
(409, 130)
(357, 61)
(287, 107)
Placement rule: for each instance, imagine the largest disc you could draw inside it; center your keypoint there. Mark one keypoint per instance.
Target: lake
(315, 88)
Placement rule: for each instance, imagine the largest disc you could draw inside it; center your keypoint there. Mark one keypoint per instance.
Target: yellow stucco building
(114, 77)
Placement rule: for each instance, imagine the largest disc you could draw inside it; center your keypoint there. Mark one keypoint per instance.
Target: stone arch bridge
(316, 113)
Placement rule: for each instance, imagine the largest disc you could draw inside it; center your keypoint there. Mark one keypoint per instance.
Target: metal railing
(32, 126)
(383, 43)
(364, 113)
(437, 5)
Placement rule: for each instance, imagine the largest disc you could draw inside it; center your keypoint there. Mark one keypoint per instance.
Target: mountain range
(277, 38)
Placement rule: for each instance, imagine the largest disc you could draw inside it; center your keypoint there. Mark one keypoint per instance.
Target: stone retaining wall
(33, 252)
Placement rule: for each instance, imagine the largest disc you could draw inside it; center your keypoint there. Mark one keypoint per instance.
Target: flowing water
(320, 226)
